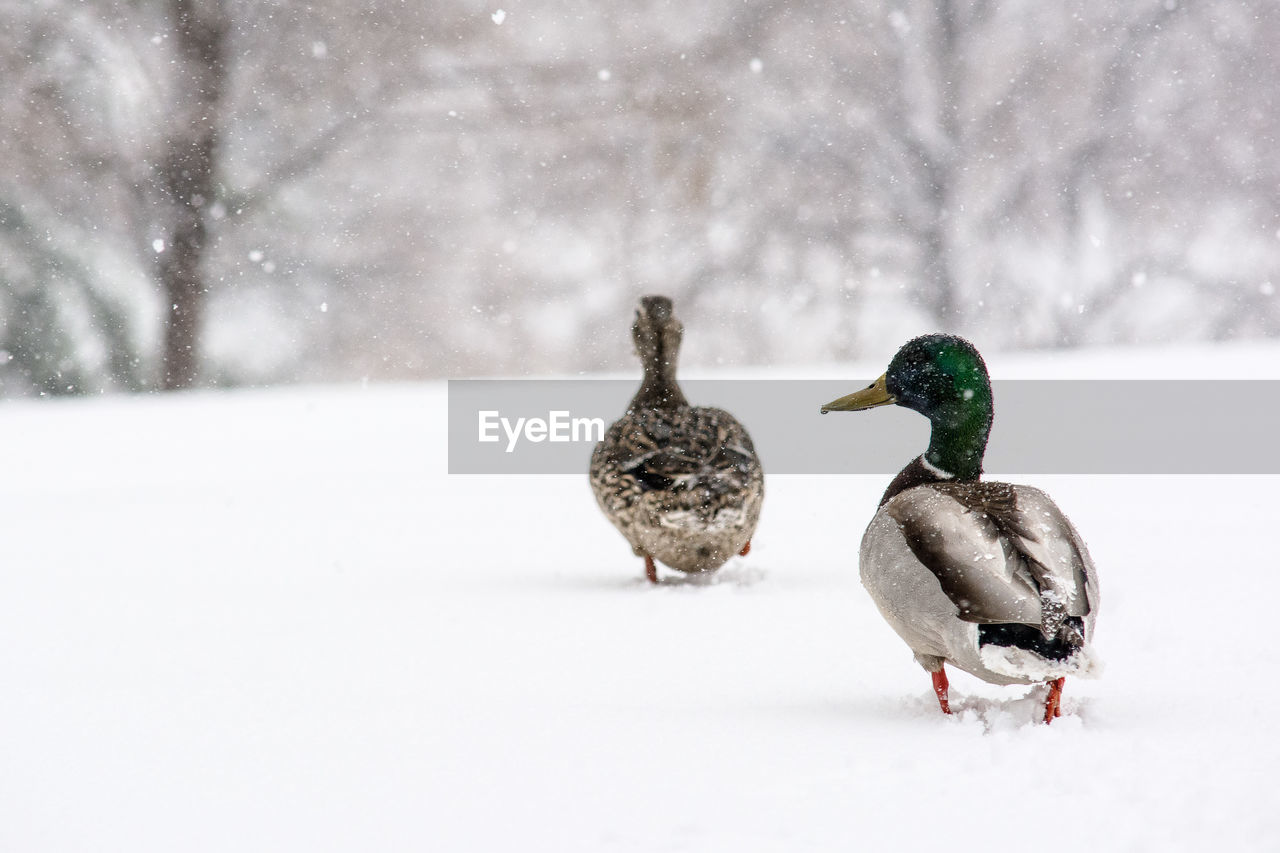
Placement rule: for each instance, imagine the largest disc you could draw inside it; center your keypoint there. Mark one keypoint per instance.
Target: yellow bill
(875, 394)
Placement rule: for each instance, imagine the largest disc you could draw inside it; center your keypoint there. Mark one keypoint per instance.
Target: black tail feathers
(1066, 641)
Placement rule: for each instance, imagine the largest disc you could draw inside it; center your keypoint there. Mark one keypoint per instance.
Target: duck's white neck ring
(934, 469)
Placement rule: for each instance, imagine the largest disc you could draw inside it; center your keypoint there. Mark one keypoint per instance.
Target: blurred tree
(231, 191)
(69, 285)
(184, 177)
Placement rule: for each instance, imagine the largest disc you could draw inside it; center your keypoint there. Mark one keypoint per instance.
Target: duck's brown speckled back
(682, 483)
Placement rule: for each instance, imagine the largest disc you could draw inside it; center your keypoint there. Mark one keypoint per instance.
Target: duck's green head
(943, 378)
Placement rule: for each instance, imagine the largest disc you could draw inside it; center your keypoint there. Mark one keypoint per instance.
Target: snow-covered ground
(269, 620)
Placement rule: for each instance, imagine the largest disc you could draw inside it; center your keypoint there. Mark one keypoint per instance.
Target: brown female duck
(681, 483)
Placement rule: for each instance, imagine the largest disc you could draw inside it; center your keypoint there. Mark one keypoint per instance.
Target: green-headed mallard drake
(990, 577)
(682, 483)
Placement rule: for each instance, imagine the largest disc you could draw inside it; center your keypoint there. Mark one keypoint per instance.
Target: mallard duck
(989, 577)
(681, 483)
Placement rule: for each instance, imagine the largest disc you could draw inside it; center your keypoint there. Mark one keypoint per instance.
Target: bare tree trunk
(939, 264)
(186, 179)
(933, 148)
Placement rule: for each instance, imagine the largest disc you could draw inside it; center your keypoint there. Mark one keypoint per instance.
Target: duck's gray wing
(1002, 553)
